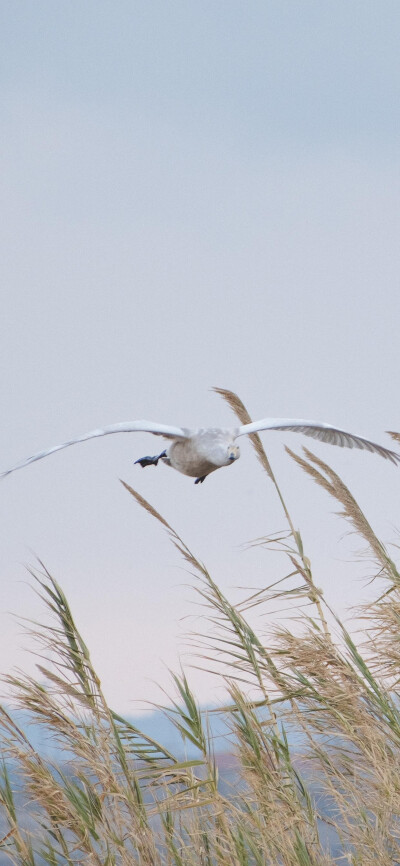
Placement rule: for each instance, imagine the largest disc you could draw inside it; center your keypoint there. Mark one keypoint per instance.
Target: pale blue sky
(194, 194)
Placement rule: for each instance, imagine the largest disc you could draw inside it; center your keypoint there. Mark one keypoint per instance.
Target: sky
(193, 195)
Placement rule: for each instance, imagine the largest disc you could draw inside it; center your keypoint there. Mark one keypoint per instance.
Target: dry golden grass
(119, 797)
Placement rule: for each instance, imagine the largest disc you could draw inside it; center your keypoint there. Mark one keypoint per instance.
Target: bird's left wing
(123, 427)
(321, 431)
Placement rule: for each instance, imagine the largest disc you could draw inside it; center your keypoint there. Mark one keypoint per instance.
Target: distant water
(154, 724)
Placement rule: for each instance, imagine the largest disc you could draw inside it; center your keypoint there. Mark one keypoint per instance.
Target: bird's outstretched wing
(123, 427)
(323, 432)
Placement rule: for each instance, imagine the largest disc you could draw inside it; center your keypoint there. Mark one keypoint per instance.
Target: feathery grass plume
(176, 539)
(273, 783)
(351, 510)
(242, 414)
(239, 409)
(351, 728)
(382, 644)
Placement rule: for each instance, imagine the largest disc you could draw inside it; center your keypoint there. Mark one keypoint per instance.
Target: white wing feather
(321, 431)
(123, 427)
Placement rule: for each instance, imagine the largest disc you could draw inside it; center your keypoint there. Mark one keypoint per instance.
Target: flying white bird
(199, 452)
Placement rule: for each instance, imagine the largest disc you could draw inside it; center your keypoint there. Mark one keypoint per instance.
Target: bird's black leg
(150, 461)
(200, 480)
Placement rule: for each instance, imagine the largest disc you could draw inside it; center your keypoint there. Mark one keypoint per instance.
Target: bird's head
(233, 453)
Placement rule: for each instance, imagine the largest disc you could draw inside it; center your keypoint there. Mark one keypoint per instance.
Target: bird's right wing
(123, 427)
(321, 431)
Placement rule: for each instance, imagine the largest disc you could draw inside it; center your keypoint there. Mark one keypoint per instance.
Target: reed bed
(120, 797)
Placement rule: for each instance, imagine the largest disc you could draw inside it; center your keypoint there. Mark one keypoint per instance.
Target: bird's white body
(199, 452)
(203, 452)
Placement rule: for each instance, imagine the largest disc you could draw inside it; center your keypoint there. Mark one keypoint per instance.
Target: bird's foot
(150, 461)
(200, 480)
